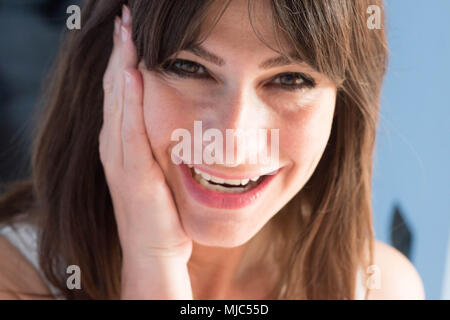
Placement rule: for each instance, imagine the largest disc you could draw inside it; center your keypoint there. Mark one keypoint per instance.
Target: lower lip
(221, 200)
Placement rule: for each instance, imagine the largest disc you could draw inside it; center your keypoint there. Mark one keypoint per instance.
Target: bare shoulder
(18, 277)
(397, 279)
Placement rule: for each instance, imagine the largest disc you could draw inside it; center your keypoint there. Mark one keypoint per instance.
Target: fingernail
(124, 33)
(125, 14)
(116, 25)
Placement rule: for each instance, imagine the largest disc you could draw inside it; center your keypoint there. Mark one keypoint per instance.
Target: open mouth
(225, 185)
(221, 193)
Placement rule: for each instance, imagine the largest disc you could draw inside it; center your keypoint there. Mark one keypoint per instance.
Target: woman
(107, 196)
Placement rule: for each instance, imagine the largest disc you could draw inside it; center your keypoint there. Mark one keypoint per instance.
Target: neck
(213, 270)
(227, 273)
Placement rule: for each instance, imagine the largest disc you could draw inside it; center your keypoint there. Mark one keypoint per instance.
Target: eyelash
(170, 67)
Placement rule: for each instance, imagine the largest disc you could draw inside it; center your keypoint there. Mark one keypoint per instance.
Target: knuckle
(101, 135)
(160, 188)
(108, 84)
(131, 134)
(103, 158)
(109, 168)
(128, 133)
(101, 142)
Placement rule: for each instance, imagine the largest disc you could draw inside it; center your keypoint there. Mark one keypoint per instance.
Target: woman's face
(234, 81)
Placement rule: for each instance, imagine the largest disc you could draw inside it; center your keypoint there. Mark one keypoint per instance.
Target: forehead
(234, 32)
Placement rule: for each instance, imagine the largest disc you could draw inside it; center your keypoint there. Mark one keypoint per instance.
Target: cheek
(308, 130)
(165, 110)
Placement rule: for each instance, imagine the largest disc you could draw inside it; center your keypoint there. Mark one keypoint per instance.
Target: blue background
(413, 150)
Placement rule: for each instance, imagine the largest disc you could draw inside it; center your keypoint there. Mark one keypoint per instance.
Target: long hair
(322, 236)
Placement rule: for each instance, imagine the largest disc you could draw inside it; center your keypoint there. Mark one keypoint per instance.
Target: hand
(146, 215)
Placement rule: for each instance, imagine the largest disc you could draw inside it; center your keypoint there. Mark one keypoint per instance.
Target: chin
(217, 232)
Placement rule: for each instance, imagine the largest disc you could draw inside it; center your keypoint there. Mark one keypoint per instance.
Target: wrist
(143, 254)
(156, 278)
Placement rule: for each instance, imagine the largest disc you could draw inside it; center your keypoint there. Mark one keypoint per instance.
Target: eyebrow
(269, 63)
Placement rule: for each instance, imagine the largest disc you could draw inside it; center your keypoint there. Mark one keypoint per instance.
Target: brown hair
(318, 240)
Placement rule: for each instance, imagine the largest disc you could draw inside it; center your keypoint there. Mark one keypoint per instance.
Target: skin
(174, 247)
(238, 95)
(156, 217)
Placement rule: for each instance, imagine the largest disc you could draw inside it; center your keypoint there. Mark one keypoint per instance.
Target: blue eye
(185, 68)
(293, 81)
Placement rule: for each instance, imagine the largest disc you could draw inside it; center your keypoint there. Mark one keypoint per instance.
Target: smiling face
(233, 80)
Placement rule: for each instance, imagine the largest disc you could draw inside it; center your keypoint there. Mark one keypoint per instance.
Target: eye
(185, 68)
(293, 81)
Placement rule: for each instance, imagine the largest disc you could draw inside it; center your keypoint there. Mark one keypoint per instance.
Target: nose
(240, 108)
(245, 123)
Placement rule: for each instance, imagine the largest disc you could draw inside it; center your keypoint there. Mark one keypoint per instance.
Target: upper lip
(246, 175)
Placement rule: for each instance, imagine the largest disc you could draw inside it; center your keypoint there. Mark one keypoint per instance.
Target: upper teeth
(234, 182)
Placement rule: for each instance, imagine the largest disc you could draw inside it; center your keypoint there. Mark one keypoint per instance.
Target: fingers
(137, 155)
(108, 149)
(108, 78)
(129, 55)
(123, 56)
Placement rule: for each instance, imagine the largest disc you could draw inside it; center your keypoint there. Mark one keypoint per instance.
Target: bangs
(165, 27)
(317, 32)
(320, 33)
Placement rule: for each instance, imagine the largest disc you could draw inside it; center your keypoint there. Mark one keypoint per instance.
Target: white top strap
(23, 237)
